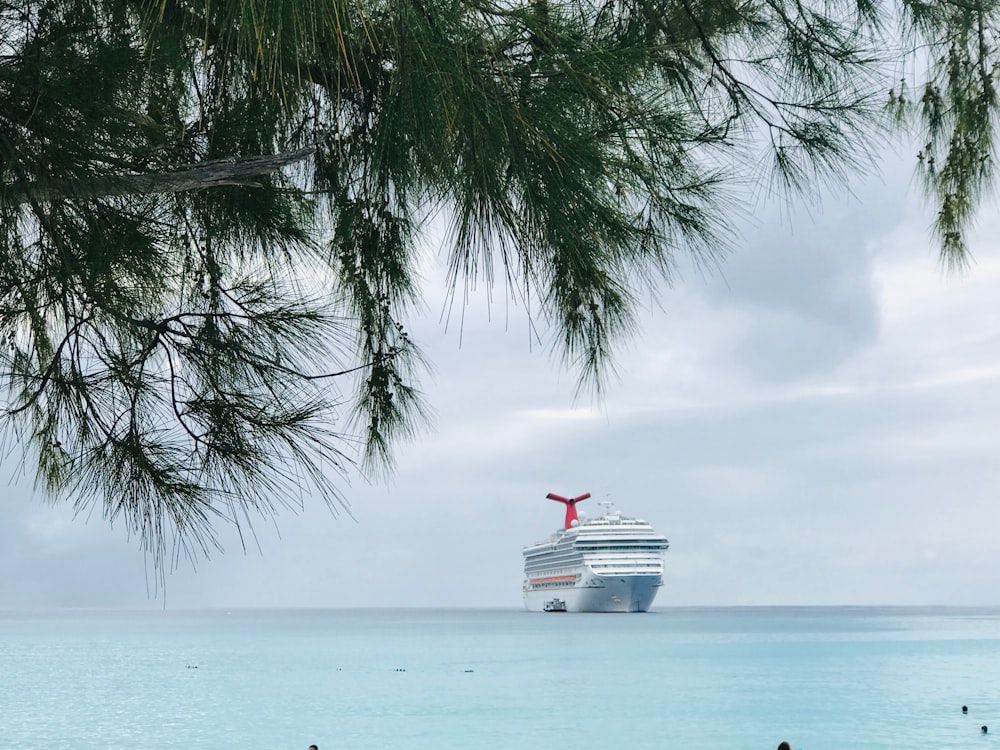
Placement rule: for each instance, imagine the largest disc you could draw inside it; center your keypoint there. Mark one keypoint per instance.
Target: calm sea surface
(697, 679)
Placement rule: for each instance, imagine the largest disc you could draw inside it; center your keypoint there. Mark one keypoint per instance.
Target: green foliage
(956, 110)
(211, 211)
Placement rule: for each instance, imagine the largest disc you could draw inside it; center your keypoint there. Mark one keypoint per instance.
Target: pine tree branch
(240, 172)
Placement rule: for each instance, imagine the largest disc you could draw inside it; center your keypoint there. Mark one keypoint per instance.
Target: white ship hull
(595, 593)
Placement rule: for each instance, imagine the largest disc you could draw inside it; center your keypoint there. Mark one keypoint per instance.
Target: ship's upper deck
(609, 527)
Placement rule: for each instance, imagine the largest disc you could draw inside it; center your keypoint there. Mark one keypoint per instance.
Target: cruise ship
(606, 564)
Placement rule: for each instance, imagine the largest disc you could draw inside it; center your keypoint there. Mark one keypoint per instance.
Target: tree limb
(206, 175)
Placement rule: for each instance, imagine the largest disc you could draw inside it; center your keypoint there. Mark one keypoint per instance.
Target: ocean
(421, 679)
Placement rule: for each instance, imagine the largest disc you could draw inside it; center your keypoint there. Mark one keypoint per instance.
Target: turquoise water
(701, 679)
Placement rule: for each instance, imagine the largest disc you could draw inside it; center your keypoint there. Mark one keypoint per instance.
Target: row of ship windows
(554, 555)
(590, 549)
(551, 564)
(563, 561)
(597, 565)
(643, 562)
(550, 572)
(554, 585)
(570, 583)
(545, 570)
(587, 542)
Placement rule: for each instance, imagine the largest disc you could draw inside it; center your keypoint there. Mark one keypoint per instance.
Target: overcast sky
(815, 422)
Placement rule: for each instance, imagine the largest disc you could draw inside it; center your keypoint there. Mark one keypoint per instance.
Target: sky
(816, 421)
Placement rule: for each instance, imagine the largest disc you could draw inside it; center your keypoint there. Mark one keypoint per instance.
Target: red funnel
(570, 503)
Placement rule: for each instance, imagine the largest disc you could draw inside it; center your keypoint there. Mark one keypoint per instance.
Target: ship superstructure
(611, 563)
